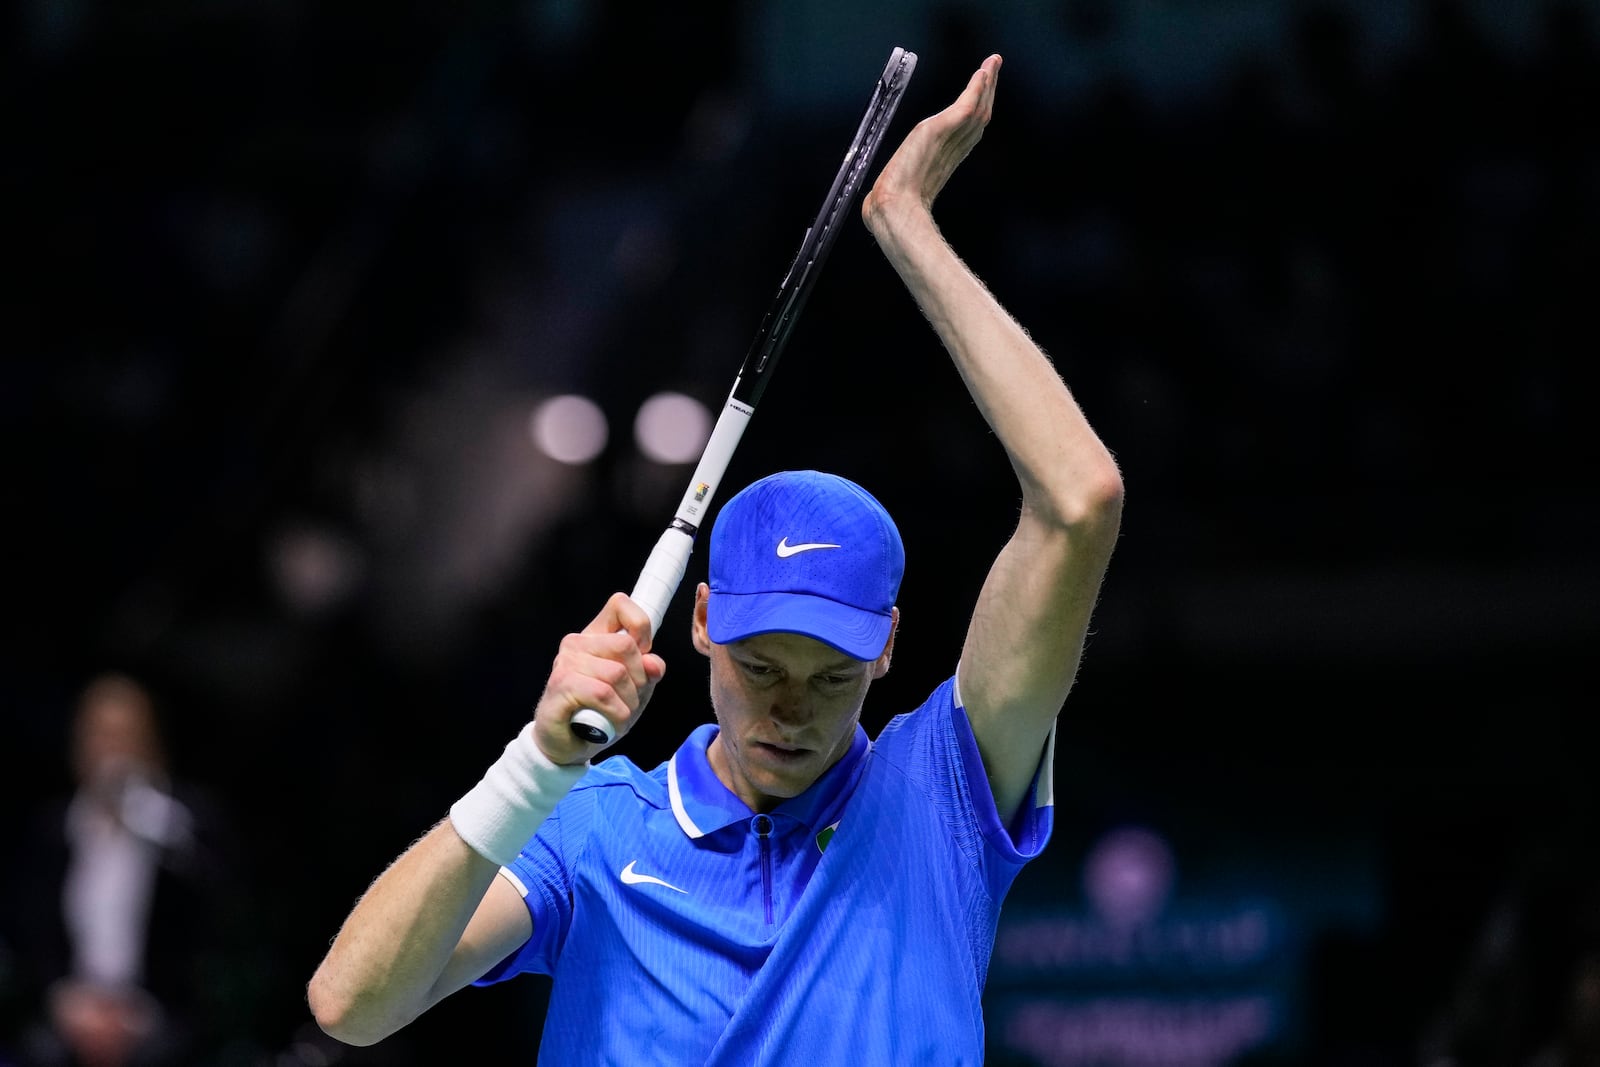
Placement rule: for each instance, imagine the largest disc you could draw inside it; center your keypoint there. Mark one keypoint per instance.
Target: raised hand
(935, 147)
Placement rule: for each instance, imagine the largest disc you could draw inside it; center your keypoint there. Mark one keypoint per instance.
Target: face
(787, 707)
(114, 732)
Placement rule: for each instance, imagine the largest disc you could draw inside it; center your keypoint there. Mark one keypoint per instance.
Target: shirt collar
(702, 804)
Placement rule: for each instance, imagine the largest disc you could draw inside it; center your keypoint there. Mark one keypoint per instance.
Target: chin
(784, 786)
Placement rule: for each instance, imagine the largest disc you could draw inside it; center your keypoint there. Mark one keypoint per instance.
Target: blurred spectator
(119, 887)
(1529, 994)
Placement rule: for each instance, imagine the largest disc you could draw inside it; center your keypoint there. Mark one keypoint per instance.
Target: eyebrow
(843, 664)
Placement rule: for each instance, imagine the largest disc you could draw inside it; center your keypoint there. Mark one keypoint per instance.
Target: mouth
(782, 753)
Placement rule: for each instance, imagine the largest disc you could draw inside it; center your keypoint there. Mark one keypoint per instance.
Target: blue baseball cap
(808, 553)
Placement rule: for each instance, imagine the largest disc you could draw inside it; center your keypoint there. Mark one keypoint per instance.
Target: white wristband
(500, 814)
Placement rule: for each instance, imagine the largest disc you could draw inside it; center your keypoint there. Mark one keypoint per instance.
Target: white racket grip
(714, 461)
(658, 581)
(662, 574)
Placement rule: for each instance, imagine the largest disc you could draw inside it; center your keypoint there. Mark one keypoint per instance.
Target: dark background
(287, 280)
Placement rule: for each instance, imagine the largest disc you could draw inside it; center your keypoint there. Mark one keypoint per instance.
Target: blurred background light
(672, 428)
(569, 429)
(315, 570)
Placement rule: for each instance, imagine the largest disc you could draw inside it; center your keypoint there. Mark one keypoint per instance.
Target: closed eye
(834, 682)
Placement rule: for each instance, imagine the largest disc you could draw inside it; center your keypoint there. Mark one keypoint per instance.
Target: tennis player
(782, 890)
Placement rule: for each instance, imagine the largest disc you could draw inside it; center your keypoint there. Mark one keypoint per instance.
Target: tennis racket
(664, 569)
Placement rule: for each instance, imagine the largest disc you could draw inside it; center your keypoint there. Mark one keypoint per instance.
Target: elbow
(1103, 496)
(339, 1016)
(1101, 513)
(1090, 502)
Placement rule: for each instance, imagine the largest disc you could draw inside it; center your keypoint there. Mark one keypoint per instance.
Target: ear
(699, 634)
(880, 666)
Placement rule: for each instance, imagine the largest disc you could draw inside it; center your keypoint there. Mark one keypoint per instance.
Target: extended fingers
(988, 76)
(975, 106)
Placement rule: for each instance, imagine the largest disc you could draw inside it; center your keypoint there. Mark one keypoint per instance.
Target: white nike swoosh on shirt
(785, 549)
(631, 877)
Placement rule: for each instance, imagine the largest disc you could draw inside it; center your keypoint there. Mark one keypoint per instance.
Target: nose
(791, 705)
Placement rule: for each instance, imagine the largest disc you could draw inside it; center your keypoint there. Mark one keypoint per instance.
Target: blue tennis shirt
(851, 925)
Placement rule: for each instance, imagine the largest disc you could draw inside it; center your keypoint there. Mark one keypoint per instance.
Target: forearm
(385, 966)
(1025, 638)
(1066, 474)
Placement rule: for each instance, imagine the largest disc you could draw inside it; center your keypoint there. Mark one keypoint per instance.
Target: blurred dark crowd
(289, 280)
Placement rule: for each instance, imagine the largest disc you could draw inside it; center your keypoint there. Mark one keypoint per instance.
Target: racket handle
(658, 581)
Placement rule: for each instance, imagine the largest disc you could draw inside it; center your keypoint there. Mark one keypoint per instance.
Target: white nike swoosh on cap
(785, 549)
(631, 877)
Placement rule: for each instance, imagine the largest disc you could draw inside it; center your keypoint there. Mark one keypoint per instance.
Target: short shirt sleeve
(542, 873)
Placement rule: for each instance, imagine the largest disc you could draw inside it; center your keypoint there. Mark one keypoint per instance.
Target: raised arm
(1027, 631)
(438, 918)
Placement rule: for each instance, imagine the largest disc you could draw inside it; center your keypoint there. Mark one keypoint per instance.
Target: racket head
(801, 279)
